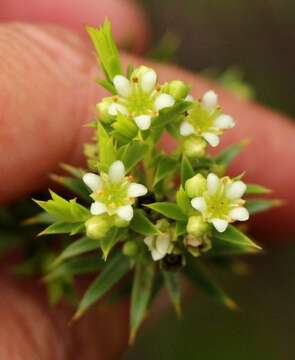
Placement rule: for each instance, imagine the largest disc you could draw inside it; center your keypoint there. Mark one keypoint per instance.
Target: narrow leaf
(109, 241)
(165, 167)
(183, 201)
(257, 189)
(255, 206)
(114, 270)
(172, 283)
(106, 148)
(75, 185)
(133, 154)
(180, 228)
(170, 210)
(141, 294)
(142, 225)
(186, 171)
(63, 228)
(229, 154)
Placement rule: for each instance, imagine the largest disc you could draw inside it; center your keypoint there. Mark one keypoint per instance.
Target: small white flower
(113, 193)
(139, 98)
(220, 202)
(205, 119)
(159, 246)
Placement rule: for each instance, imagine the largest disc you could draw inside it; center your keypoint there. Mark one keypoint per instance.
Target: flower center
(139, 103)
(218, 205)
(201, 119)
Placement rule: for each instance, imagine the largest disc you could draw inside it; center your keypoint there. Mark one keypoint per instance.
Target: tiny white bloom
(162, 244)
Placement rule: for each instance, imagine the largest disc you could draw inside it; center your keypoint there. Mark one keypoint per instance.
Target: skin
(47, 94)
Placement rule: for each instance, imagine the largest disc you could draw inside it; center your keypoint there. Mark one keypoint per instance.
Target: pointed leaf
(165, 167)
(257, 189)
(141, 294)
(142, 225)
(134, 153)
(63, 228)
(229, 154)
(170, 210)
(255, 206)
(172, 283)
(186, 171)
(180, 228)
(183, 201)
(114, 270)
(170, 115)
(75, 185)
(106, 148)
(109, 241)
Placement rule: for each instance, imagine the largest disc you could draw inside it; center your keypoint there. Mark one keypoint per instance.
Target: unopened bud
(98, 226)
(194, 146)
(196, 226)
(178, 89)
(103, 110)
(130, 248)
(195, 186)
(119, 222)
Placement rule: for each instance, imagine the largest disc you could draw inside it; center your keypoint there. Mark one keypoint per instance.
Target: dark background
(257, 37)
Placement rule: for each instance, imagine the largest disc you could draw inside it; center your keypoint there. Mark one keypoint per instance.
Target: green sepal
(170, 210)
(106, 49)
(141, 294)
(172, 284)
(142, 225)
(115, 269)
(201, 280)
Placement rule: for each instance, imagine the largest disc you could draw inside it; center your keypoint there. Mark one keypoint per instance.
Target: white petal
(162, 243)
(116, 108)
(210, 100)
(143, 121)
(212, 183)
(189, 98)
(186, 129)
(117, 171)
(156, 255)
(125, 212)
(219, 224)
(122, 85)
(149, 241)
(199, 204)
(136, 190)
(163, 101)
(98, 208)
(236, 190)
(212, 139)
(148, 80)
(93, 181)
(224, 122)
(239, 213)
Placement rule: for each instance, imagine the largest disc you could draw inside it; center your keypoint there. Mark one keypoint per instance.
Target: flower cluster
(145, 209)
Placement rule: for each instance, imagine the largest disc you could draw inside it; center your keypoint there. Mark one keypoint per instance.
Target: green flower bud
(178, 89)
(119, 222)
(195, 186)
(98, 226)
(103, 110)
(194, 146)
(130, 248)
(196, 226)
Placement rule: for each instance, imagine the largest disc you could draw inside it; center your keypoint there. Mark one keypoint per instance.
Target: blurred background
(250, 48)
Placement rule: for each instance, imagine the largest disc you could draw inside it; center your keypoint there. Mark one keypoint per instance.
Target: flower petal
(125, 212)
(189, 98)
(93, 181)
(98, 208)
(163, 101)
(220, 224)
(149, 241)
(212, 183)
(210, 100)
(212, 139)
(224, 122)
(239, 213)
(148, 80)
(122, 85)
(199, 204)
(235, 190)
(143, 121)
(156, 255)
(162, 243)
(186, 129)
(117, 171)
(136, 190)
(116, 108)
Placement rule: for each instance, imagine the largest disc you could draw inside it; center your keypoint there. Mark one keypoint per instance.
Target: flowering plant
(140, 209)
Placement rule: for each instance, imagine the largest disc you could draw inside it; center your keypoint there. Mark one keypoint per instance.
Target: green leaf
(165, 167)
(229, 154)
(74, 171)
(180, 228)
(202, 281)
(63, 228)
(142, 225)
(106, 49)
(183, 201)
(186, 171)
(133, 153)
(109, 241)
(222, 248)
(114, 270)
(257, 189)
(235, 237)
(107, 84)
(77, 186)
(172, 283)
(170, 210)
(170, 115)
(255, 206)
(106, 148)
(141, 294)
(76, 248)
(42, 218)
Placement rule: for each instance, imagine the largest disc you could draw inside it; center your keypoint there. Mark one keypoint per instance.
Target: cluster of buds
(113, 195)
(203, 124)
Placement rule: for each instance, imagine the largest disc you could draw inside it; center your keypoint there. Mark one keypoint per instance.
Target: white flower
(140, 97)
(113, 193)
(221, 203)
(206, 120)
(158, 245)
